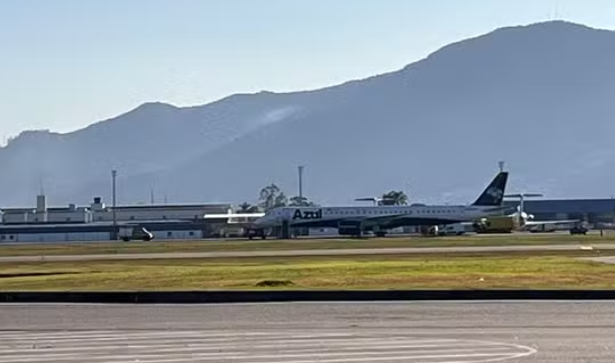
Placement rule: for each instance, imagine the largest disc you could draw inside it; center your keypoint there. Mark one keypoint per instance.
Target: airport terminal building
(96, 222)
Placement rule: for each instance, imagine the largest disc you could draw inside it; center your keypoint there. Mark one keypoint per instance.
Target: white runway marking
(246, 347)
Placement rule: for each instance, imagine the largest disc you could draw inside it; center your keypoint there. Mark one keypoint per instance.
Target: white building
(99, 212)
(95, 222)
(187, 212)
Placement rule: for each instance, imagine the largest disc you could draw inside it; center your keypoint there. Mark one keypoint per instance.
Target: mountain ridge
(438, 51)
(448, 107)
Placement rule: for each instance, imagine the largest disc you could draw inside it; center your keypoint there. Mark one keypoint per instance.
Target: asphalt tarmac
(425, 332)
(314, 252)
(607, 259)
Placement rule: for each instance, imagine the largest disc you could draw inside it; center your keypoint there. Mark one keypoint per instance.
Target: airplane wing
(561, 221)
(391, 217)
(382, 218)
(378, 219)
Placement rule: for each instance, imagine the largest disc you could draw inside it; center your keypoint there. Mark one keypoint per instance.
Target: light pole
(407, 191)
(301, 182)
(114, 177)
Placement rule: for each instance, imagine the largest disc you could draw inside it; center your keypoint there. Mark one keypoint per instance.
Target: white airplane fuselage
(367, 218)
(385, 217)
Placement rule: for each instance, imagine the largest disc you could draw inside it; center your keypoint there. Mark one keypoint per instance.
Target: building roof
(171, 207)
(68, 209)
(600, 206)
(125, 207)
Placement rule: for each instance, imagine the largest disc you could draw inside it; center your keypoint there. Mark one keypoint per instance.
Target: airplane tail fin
(494, 193)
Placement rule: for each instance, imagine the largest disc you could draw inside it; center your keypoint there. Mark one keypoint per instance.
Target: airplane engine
(429, 230)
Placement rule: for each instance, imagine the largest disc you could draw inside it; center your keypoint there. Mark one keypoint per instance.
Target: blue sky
(69, 63)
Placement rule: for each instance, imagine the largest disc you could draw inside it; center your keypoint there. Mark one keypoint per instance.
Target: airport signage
(307, 214)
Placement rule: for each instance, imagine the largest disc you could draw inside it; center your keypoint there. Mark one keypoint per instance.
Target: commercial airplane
(526, 222)
(520, 220)
(354, 220)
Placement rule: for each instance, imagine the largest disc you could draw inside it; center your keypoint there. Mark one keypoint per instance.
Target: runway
(289, 253)
(610, 260)
(426, 332)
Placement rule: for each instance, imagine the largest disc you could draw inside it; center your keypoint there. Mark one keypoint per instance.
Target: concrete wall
(55, 237)
(8, 237)
(178, 235)
(11, 217)
(37, 217)
(156, 214)
(68, 216)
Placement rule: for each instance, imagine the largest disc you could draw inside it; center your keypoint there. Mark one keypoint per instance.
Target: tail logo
(495, 192)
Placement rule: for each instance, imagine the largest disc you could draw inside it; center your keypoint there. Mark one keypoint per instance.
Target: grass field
(483, 270)
(244, 245)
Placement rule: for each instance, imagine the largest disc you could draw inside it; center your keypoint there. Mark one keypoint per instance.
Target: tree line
(271, 196)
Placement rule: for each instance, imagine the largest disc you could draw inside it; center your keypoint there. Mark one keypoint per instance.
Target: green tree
(394, 198)
(272, 197)
(301, 202)
(246, 207)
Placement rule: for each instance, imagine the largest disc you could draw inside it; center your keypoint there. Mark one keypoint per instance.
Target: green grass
(465, 271)
(338, 243)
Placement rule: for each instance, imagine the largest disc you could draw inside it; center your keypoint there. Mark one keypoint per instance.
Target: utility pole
(301, 182)
(114, 177)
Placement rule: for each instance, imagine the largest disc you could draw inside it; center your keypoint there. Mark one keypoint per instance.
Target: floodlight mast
(115, 231)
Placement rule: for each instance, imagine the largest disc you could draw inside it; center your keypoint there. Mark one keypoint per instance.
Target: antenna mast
(42, 186)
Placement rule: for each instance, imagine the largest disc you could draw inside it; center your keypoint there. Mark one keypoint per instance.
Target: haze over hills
(538, 96)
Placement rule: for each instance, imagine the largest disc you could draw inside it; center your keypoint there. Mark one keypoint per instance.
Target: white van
(456, 229)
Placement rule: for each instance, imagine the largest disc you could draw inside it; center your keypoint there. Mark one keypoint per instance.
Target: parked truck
(128, 233)
(504, 224)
